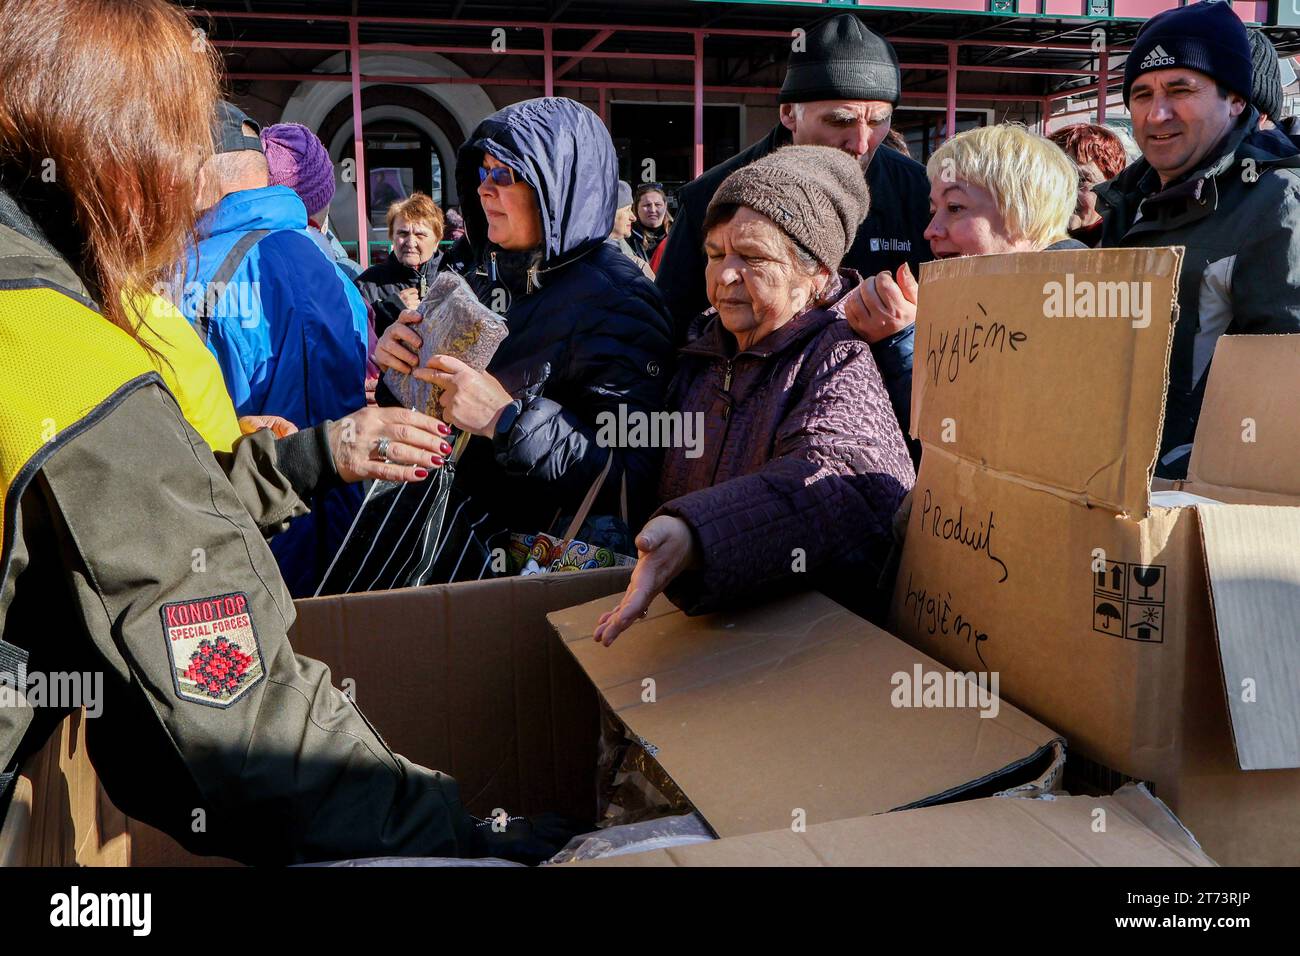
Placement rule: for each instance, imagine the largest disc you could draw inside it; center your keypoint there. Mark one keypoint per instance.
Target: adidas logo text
(1157, 57)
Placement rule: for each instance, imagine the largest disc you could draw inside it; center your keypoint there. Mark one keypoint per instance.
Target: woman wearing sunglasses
(589, 334)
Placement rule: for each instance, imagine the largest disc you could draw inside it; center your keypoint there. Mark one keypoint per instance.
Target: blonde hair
(1033, 183)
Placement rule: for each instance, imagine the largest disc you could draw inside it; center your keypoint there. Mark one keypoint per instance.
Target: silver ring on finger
(381, 447)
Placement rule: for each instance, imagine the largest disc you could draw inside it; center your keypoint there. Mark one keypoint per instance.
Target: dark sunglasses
(500, 175)
(649, 187)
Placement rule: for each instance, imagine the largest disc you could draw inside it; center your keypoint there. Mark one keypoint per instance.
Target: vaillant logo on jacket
(891, 245)
(1157, 57)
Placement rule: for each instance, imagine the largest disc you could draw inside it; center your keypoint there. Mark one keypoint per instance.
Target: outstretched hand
(665, 548)
(280, 427)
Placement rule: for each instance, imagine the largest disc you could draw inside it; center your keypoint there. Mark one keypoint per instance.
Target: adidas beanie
(1207, 37)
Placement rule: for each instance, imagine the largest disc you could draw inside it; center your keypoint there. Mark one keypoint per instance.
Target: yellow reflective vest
(62, 366)
(190, 371)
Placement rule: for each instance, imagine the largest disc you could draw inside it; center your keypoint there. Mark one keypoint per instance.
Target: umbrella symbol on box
(1107, 613)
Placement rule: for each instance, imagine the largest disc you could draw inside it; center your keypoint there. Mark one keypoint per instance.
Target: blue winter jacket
(289, 333)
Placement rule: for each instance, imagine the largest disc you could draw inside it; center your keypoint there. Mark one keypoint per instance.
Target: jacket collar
(413, 273)
(272, 207)
(716, 342)
(50, 255)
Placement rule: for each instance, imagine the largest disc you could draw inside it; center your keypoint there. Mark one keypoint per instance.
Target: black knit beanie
(1266, 76)
(816, 195)
(840, 59)
(1207, 37)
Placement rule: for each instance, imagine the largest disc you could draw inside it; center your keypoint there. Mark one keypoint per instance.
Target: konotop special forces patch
(215, 656)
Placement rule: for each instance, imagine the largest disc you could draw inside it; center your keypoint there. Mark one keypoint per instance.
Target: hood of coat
(563, 151)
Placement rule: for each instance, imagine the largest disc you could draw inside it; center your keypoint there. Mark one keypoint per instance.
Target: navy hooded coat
(588, 332)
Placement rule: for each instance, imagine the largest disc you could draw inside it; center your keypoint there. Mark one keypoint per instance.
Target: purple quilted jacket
(801, 450)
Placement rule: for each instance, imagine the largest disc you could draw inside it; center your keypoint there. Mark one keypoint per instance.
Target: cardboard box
(467, 678)
(779, 714)
(995, 831)
(779, 709)
(786, 712)
(1034, 550)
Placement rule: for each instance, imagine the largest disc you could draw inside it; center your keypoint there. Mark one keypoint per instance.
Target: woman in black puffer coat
(538, 182)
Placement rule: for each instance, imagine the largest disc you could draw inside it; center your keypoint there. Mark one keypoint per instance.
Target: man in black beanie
(1265, 80)
(1209, 180)
(841, 86)
(1266, 87)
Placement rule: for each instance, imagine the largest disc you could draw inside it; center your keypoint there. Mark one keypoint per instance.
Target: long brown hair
(106, 110)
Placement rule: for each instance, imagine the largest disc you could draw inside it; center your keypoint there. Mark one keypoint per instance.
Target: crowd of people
(194, 368)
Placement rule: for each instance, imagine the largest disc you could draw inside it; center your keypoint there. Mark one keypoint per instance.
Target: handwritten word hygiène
(934, 612)
(947, 351)
(948, 527)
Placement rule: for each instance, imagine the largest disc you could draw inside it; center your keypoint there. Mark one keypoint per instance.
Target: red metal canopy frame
(557, 75)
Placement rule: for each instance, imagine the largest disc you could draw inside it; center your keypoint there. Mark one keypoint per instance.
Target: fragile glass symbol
(1146, 576)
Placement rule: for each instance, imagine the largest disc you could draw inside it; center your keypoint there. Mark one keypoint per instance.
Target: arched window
(400, 159)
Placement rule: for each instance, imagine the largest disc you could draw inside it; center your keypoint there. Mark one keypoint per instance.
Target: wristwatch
(505, 423)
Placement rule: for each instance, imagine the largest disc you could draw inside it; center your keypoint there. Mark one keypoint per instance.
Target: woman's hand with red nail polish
(414, 444)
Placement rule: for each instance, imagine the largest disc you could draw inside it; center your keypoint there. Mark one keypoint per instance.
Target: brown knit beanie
(816, 195)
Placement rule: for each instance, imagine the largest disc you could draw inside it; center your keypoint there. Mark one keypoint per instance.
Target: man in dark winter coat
(589, 337)
(840, 90)
(1211, 181)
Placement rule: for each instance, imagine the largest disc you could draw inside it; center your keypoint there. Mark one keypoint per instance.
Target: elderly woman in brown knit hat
(801, 464)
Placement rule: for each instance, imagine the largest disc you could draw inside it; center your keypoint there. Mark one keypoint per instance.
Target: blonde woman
(993, 189)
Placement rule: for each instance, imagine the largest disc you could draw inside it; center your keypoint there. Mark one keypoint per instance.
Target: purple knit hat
(297, 159)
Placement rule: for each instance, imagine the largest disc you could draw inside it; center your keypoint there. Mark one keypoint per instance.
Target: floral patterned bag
(542, 553)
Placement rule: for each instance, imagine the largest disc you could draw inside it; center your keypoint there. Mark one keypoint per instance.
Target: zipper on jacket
(727, 371)
(726, 419)
(492, 265)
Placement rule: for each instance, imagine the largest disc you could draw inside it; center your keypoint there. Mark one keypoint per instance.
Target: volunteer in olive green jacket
(126, 550)
(117, 531)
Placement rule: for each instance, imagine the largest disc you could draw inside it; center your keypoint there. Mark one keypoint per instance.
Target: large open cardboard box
(777, 713)
(1160, 640)
(786, 713)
